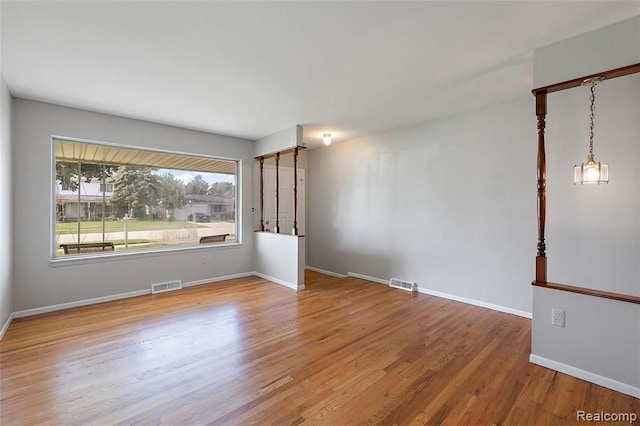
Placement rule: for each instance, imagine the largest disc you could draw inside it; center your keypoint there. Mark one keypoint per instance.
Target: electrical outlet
(557, 317)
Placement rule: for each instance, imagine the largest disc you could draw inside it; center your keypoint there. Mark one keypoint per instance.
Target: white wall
(6, 235)
(39, 283)
(599, 343)
(449, 204)
(281, 141)
(593, 232)
(280, 258)
(607, 48)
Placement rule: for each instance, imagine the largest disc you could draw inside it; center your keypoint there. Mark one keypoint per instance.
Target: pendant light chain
(592, 116)
(591, 171)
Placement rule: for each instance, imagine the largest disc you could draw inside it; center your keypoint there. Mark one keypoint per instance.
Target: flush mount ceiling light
(326, 138)
(591, 172)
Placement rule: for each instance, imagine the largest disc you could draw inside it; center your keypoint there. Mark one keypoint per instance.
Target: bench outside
(213, 238)
(87, 247)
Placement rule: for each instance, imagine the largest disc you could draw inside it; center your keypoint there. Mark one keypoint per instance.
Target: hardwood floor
(341, 352)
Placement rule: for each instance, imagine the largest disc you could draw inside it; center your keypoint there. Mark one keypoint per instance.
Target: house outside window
(106, 187)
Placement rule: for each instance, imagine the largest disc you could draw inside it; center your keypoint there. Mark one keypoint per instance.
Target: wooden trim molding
(277, 227)
(261, 159)
(541, 257)
(295, 192)
(280, 153)
(589, 292)
(541, 112)
(608, 75)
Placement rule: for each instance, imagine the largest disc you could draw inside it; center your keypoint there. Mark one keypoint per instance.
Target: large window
(112, 199)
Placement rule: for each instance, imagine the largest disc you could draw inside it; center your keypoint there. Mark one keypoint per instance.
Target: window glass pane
(140, 200)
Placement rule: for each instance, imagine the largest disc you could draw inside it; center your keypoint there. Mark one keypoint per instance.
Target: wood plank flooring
(246, 351)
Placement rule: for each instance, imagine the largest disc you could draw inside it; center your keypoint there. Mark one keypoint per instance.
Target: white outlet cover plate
(557, 317)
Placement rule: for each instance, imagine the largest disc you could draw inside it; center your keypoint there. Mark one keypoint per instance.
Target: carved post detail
(541, 258)
(277, 227)
(79, 201)
(295, 191)
(261, 228)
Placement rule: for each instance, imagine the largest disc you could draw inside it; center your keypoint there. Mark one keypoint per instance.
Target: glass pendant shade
(591, 172)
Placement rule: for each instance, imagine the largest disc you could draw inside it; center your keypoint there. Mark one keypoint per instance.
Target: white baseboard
(6, 325)
(92, 301)
(368, 278)
(218, 279)
(279, 281)
(52, 308)
(474, 302)
(479, 303)
(586, 375)
(322, 271)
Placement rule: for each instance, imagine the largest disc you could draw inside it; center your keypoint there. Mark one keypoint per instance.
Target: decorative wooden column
(261, 160)
(276, 155)
(541, 112)
(104, 199)
(295, 192)
(277, 227)
(79, 200)
(541, 257)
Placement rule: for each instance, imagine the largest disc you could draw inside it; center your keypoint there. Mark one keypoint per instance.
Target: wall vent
(168, 286)
(403, 285)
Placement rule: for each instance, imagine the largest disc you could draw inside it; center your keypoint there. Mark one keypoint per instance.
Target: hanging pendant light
(591, 171)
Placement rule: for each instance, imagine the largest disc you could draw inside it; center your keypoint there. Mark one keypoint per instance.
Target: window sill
(116, 256)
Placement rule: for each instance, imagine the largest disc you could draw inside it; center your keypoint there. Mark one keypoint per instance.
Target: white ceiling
(250, 69)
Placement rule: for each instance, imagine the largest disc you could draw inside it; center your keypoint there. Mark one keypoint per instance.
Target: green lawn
(118, 226)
